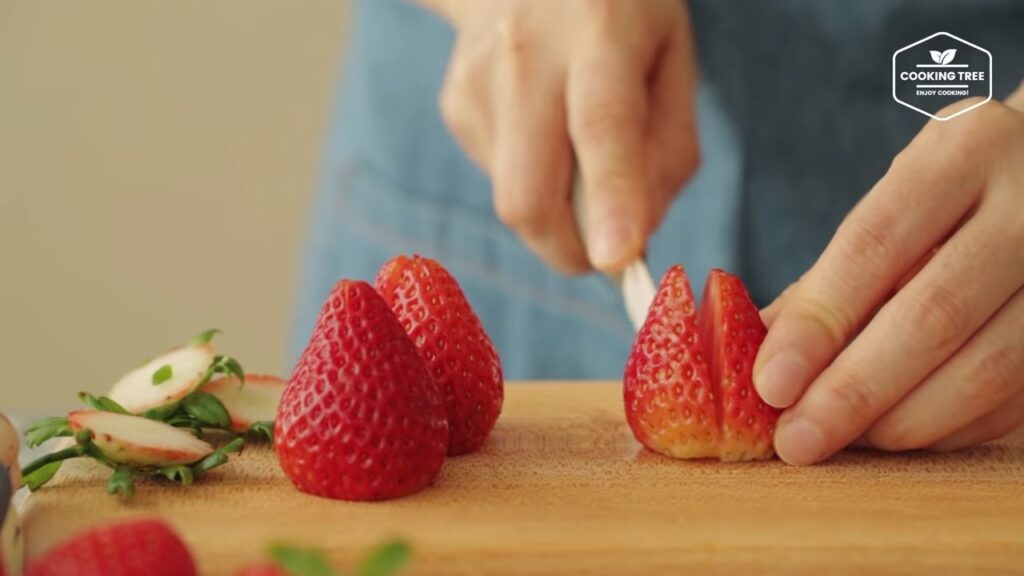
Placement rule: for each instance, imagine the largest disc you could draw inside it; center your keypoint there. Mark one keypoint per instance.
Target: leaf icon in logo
(948, 55)
(936, 56)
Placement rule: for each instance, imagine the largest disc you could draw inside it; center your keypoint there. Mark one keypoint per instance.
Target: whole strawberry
(360, 418)
(133, 548)
(450, 339)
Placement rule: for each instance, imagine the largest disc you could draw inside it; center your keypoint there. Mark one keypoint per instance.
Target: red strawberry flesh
(733, 332)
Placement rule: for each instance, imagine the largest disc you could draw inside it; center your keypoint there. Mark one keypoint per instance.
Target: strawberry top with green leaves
(668, 391)
(360, 418)
(687, 388)
(459, 354)
(133, 548)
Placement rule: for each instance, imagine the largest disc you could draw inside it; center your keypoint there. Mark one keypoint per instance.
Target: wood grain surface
(562, 488)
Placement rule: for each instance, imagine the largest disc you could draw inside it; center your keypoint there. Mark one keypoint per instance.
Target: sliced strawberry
(669, 395)
(132, 548)
(360, 418)
(688, 388)
(733, 332)
(165, 380)
(458, 352)
(139, 441)
(255, 401)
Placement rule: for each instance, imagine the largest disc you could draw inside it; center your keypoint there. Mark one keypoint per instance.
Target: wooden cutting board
(562, 488)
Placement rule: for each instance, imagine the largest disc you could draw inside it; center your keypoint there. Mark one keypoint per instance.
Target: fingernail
(781, 379)
(799, 442)
(610, 244)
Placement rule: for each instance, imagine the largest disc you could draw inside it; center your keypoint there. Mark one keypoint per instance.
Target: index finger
(925, 194)
(607, 108)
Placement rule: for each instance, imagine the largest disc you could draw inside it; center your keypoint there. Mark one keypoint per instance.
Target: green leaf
(224, 365)
(204, 337)
(300, 562)
(45, 429)
(386, 560)
(218, 457)
(163, 374)
(38, 478)
(121, 483)
(162, 414)
(102, 403)
(180, 474)
(262, 430)
(207, 410)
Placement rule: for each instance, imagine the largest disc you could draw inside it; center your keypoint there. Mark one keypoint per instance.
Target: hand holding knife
(634, 282)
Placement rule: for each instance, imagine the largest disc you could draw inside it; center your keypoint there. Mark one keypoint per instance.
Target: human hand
(908, 332)
(530, 81)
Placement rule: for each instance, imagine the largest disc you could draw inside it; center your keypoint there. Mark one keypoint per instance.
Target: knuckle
(998, 375)
(517, 212)
(602, 118)
(451, 106)
(854, 396)
(832, 323)
(935, 319)
(870, 242)
(974, 134)
(514, 33)
(455, 100)
(683, 168)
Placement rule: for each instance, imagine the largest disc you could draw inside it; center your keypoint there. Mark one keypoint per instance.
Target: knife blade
(634, 283)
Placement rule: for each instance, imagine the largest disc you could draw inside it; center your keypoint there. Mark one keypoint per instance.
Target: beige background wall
(156, 159)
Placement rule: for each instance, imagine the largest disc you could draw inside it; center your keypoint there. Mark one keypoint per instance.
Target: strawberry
(132, 548)
(360, 418)
(687, 388)
(669, 395)
(450, 339)
(733, 332)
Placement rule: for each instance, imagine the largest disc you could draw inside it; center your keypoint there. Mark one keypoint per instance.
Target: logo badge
(939, 70)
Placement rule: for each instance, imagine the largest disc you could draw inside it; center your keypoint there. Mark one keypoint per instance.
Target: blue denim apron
(795, 124)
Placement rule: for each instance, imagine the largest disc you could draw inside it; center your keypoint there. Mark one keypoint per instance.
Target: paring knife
(634, 282)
